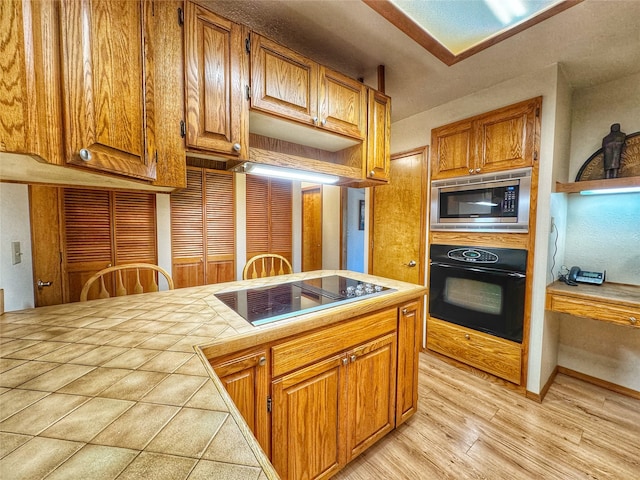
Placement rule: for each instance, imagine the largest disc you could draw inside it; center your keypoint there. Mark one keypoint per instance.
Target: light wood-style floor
(470, 428)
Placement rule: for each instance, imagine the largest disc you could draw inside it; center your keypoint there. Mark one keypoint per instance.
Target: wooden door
(507, 137)
(378, 158)
(453, 150)
(246, 379)
(398, 220)
(307, 420)
(46, 247)
(371, 393)
(342, 104)
(107, 86)
(312, 229)
(409, 341)
(283, 82)
(217, 68)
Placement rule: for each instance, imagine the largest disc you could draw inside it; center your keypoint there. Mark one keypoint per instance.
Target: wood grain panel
(107, 69)
(309, 414)
(453, 150)
(371, 393)
(409, 344)
(342, 103)
(378, 158)
(599, 310)
(303, 350)
(497, 356)
(312, 229)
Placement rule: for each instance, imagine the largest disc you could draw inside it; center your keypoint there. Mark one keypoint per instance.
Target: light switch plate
(16, 254)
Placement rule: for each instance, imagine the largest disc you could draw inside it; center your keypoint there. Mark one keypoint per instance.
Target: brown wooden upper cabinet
(378, 162)
(108, 85)
(289, 85)
(503, 139)
(217, 68)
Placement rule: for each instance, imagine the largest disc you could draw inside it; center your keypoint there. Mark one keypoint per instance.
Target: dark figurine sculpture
(612, 146)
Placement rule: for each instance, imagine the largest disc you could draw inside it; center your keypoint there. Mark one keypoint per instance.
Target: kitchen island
(123, 388)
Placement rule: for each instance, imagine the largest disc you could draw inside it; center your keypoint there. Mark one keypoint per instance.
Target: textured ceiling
(595, 41)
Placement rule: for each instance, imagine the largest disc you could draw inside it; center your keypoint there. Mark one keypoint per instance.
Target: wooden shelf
(576, 187)
(609, 302)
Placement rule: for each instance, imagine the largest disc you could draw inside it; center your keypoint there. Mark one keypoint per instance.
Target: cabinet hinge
(183, 129)
(269, 404)
(537, 111)
(535, 155)
(156, 156)
(180, 16)
(247, 44)
(248, 90)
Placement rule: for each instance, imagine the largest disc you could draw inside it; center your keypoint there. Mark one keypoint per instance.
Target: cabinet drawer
(497, 356)
(597, 310)
(310, 348)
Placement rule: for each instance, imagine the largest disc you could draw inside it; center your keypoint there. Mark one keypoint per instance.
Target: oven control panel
(475, 255)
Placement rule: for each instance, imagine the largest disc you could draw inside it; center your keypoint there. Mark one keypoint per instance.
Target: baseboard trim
(538, 397)
(599, 382)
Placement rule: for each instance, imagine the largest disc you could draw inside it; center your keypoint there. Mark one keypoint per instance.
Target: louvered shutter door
(187, 232)
(280, 218)
(135, 235)
(218, 198)
(257, 216)
(87, 237)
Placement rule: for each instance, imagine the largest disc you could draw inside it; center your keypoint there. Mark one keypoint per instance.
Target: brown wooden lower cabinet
(500, 357)
(333, 391)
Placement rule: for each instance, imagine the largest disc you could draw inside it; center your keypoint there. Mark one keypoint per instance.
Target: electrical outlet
(16, 254)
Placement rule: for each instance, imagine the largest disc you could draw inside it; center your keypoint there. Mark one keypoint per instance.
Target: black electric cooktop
(276, 302)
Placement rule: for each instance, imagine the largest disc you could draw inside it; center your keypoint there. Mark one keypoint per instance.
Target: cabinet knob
(315, 120)
(345, 360)
(467, 336)
(237, 147)
(633, 320)
(262, 361)
(85, 155)
(324, 122)
(471, 170)
(478, 170)
(372, 173)
(405, 311)
(353, 358)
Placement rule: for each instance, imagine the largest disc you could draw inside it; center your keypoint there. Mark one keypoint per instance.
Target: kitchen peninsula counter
(121, 388)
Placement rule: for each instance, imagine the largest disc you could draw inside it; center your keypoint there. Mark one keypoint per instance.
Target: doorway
(353, 229)
(312, 228)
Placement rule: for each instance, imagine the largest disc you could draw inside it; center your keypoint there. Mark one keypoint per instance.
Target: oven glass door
(480, 298)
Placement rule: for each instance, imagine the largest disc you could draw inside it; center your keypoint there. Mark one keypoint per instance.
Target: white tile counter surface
(119, 388)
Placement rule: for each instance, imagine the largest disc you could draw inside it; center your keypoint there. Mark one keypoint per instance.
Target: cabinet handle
(633, 320)
(85, 155)
(237, 147)
(353, 358)
(467, 336)
(262, 361)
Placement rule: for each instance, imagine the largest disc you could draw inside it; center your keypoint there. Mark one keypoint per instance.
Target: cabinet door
(378, 162)
(409, 339)
(371, 394)
(107, 73)
(283, 82)
(342, 104)
(308, 418)
(452, 150)
(246, 379)
(507, 138)
(216, 78)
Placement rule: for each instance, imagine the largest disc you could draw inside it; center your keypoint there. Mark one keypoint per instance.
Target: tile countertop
(120, 388)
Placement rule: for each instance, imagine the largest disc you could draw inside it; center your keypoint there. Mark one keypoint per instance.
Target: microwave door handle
(493, 271)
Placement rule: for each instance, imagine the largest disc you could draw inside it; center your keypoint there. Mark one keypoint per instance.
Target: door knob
(42, 284)
(412, 263)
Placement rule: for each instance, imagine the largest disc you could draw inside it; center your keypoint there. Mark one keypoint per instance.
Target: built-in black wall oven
(479, 288)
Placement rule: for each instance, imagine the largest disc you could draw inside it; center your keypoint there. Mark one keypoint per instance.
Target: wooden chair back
(120, 288)
(266, 265)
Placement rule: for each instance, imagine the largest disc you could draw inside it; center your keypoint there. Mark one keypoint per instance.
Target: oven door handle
(493, 271)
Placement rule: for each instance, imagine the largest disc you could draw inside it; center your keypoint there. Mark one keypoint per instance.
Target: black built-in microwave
(494, 202)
